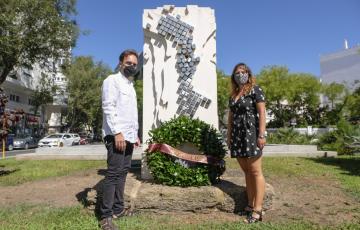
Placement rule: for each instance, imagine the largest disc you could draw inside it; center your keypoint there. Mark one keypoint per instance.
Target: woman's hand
(261, 143)
(228, 142)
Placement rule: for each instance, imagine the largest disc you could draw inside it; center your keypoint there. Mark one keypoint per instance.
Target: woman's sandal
(254, 218)
(247, 211)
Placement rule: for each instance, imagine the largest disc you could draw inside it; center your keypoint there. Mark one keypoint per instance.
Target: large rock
(228, 196)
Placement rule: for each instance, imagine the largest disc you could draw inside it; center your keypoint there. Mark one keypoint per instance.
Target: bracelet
(261, 136)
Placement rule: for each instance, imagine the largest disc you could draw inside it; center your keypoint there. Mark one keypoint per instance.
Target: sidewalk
(78, 152)
(98, 152)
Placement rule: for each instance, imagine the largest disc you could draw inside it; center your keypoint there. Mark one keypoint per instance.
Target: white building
(341, 67)
(19, 87)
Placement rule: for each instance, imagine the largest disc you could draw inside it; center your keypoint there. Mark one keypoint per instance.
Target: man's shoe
(107, 224)
(124, 212)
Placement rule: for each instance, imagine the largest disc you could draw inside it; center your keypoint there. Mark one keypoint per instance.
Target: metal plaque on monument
(179, 69)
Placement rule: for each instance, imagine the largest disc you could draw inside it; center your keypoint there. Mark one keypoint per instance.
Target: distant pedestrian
(120, 132)
(246, 136)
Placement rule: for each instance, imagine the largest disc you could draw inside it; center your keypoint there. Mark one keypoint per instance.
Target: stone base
(228, 196)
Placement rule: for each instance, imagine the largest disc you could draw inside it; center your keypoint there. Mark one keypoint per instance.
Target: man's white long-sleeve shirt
(119, 107)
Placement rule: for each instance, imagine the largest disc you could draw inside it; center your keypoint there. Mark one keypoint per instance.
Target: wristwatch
(261, 136)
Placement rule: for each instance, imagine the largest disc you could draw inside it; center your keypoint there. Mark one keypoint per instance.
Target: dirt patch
(57, 191)
(319, 200)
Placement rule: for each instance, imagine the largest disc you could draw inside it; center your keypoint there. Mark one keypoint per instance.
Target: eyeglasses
(128, 63)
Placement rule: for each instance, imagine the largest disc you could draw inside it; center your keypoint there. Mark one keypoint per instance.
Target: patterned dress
(245, 124)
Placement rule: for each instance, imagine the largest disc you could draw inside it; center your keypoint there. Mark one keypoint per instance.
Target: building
(341, 67)
(19, 87)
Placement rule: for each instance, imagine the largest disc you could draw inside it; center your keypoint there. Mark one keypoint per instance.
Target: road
(11, 154)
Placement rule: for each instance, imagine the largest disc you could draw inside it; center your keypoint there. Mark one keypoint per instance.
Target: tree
(290, 96)
(273, 80)
(334, 92)
(35, 31)
(352, 106)
(139, 97)
(44, 93)
(84, 93)
(223, 93)
(303, 97)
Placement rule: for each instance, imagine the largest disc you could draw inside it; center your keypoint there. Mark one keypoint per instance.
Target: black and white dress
(245, 124)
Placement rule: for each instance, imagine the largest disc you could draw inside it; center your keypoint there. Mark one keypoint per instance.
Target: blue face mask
(241, 78)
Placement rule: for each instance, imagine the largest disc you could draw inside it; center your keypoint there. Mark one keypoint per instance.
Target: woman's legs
(249, 187)
(257, 181)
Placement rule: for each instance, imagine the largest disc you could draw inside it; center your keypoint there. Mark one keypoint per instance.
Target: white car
(57, 140)
(76, 138)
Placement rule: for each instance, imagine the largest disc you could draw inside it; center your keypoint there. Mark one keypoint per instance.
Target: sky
(291, 33)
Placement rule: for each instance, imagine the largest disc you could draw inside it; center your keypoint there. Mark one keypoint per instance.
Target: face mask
(129, 71)
(241, 78)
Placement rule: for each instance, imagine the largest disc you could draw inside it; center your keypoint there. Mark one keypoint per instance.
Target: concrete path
(98, 152)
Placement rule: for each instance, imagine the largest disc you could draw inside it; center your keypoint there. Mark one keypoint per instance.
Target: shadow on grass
(350, 165)
(91, 198)
(5, 172)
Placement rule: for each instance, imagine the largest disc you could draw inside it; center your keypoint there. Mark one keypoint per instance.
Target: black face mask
(129, 71)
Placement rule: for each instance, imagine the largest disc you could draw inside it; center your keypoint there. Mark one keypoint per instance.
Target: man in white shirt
(120, 132)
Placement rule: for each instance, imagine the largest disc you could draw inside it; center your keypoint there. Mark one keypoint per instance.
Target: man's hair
(126, 53)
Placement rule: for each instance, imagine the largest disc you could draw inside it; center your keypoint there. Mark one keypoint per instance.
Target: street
(10, 154)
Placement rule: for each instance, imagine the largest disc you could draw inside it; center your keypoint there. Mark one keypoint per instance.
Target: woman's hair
(248, 86)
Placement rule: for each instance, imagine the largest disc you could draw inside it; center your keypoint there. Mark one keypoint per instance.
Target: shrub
(288, 136)
(170, 170)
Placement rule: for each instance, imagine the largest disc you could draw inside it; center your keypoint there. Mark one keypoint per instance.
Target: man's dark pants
(118, 165)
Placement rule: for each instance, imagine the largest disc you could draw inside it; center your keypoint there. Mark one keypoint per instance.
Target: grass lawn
(13, 172)
(35, 217)
(345, 169)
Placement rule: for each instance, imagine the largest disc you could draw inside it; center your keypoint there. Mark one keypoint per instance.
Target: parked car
(83, 141)
(25, 142)
(57, 140)
(9, 143)
(76, 138)
(84, 138)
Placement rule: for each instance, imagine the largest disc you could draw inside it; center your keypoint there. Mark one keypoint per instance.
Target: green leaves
(84, 89)
(288, 136)
(35, 31)
(176, 132)
(288, 93)
(223, 92)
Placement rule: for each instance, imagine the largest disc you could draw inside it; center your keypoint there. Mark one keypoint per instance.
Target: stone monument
(179, 69)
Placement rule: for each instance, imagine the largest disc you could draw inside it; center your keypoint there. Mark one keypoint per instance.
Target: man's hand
(120, 143)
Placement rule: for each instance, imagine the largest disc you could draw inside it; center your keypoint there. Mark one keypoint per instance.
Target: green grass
(31, 170)
(345, 169)
(36, 217)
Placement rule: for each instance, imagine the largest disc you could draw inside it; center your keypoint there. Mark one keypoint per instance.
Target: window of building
(14, 98)
(31, 102)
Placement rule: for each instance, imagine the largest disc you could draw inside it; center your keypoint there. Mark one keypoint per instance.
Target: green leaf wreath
(175, 132)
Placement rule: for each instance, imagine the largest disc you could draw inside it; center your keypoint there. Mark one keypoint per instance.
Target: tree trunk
(4, 74)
